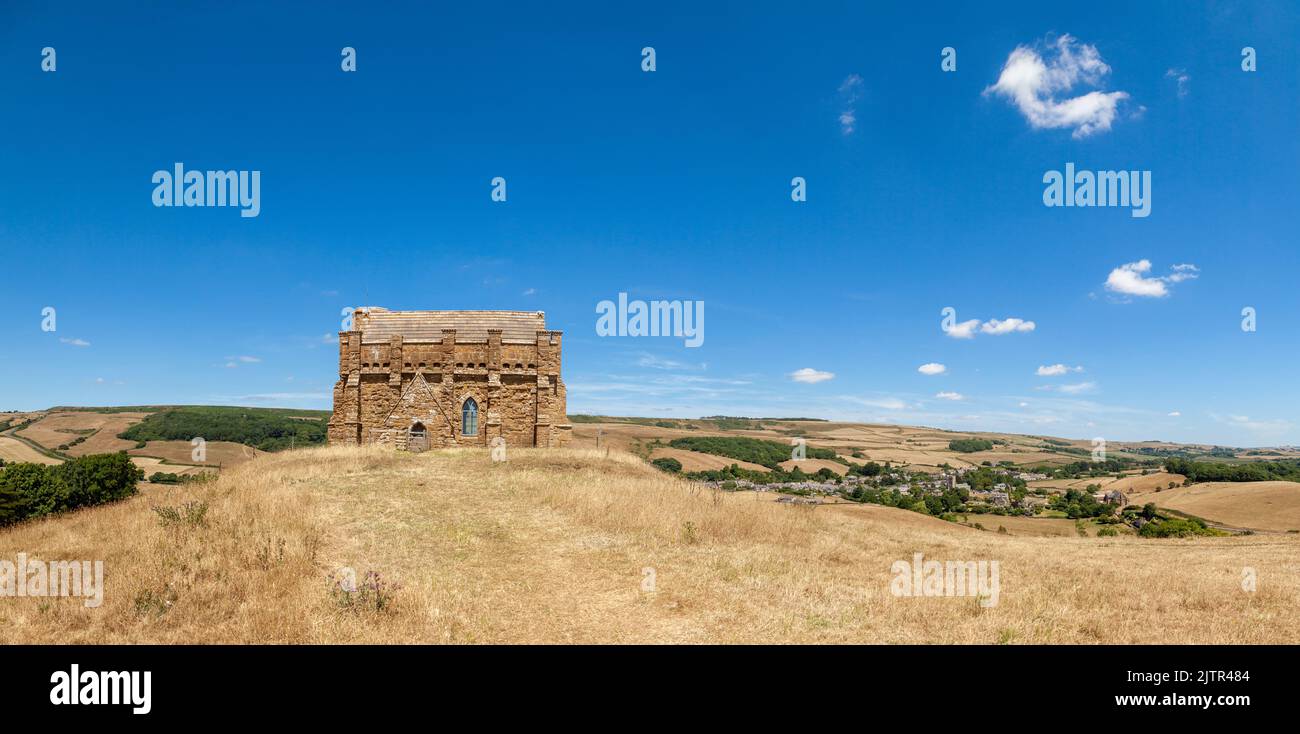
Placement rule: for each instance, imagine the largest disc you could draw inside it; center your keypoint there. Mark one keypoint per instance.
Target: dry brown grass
(552, 546)
(56, 429)
(13, 450)
(1270, 506)
(223, 453)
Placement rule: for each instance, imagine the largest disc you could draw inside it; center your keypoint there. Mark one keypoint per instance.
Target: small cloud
(1174, 414)
(964, 330)
(75, 342)
(1006, 326)
(245, 359)
(529, 291)
(1131, 279)
(884, 403)
(1035, 80)
(1023, 404)
(1275, 426)
(1078, 388)
(659, 363)
(932, 368)
(850, 93)
(811, 376)
(1052, 370)
(994, 327)
(1182, 79)
(1183, 271)
(329, 339)
(279, 396)
(99, 380)
(945, 395)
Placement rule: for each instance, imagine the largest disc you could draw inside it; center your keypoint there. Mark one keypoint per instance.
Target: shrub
(668, 464)
(969, 445)
(34, 490)
(190, 513)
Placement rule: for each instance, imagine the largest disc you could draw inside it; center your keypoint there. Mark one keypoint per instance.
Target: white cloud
(1024, 404)
(530, 291)
(75, 342)
(885, 403)
(1032, 82)
(1183, 271)
(1006, 326)
(245, 359)
(1174, 414)
(850, 93)
(1078, 388)
(1052, 370)
(811, 376)
(994, 327)
(945, 395)
(1267, 427)
(1131, 279)
(1182, 78)
(932, 368)
(964, 330)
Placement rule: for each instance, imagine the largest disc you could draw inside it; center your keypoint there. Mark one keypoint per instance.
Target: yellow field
(920, 448)
(13, 451)
(1130, 484)
(696, 461)
(56, 429)
(574, 546)
(1273, 506)
(223, 453)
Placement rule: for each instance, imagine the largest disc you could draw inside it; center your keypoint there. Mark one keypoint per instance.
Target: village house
(422, 379)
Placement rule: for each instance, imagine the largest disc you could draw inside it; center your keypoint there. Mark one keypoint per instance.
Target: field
(580, 546)
(99, 428)
(1272, 506)
(219, 453)
(922, 448)
(1131, 484)
(12, 450)
(59, 428)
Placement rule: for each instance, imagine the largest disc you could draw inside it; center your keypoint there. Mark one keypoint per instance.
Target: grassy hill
(584, 546)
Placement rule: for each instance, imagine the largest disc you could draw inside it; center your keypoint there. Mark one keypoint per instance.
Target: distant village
(1007, 494)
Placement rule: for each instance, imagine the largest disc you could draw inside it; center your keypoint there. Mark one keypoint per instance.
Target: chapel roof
(378, 325)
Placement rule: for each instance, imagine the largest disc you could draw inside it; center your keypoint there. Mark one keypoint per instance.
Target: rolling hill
(596, 546)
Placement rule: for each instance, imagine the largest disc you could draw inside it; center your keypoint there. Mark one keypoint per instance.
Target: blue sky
(924, 191)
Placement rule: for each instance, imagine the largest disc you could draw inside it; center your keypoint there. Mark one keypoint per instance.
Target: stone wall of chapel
(517, 387)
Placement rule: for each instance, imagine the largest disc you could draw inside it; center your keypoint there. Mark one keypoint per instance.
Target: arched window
(469, 418)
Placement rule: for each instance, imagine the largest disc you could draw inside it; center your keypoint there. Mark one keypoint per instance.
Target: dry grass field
(696, 461)
(1130, 484)
(562, 546)
(921, 448)
(13, 450)
(56, 429)
(1273, 506)
(223, 453)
